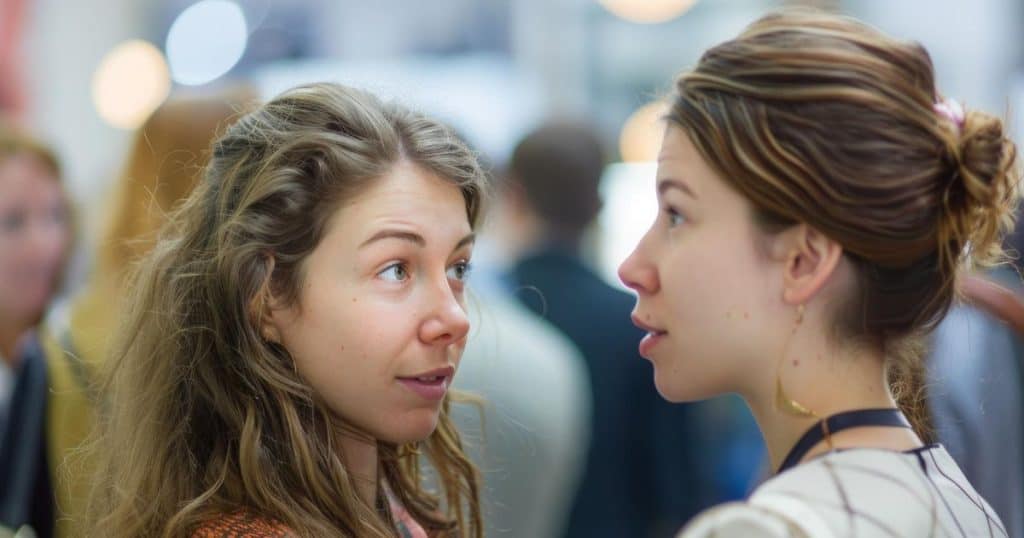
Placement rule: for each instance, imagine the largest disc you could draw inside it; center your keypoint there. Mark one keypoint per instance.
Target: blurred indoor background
(83, 76)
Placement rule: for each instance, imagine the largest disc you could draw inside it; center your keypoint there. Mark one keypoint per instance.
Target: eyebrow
(667, 184)
(413, 237)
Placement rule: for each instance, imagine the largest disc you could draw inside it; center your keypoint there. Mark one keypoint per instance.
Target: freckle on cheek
(796, 362)
(746, 315)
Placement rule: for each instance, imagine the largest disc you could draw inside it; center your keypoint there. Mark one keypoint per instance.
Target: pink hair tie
(952, 111)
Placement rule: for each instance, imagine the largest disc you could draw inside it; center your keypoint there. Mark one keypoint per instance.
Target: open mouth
(432, 385)
(651, 339)
(651, 330)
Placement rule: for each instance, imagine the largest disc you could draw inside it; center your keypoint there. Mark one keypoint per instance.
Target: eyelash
(397, 265)
(467, 269)
(672, 214)
(465, 265)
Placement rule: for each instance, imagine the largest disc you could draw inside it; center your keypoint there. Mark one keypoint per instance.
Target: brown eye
(460, 271)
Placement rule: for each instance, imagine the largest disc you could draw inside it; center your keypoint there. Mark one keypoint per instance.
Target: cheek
(341, 346)
(28, 274)
(708, 282)
(55, 248)
(351, 356)
(715, 294)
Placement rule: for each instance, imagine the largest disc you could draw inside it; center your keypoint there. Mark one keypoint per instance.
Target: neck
(826, 381)
(359, 453)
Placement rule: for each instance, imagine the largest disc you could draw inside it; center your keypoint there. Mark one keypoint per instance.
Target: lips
(431, 385)
(654, 335)
(649, 328)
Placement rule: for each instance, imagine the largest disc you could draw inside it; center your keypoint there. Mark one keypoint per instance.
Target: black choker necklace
(839, 422)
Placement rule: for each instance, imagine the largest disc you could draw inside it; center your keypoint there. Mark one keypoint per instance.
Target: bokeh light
(640, 138)
(131, 81)
(648, 11)
(206, 41)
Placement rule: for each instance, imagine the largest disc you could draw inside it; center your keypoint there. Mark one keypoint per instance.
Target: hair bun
(980, 196)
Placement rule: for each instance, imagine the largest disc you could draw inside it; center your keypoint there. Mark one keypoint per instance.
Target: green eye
(394, 273)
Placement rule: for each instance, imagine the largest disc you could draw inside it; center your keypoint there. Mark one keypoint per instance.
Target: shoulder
(742, 520)
(241, 525)
(817, 498)
(880, 492)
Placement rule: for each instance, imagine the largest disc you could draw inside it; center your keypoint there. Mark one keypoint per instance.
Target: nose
(447, 322)
(638, 274)
(47, 240)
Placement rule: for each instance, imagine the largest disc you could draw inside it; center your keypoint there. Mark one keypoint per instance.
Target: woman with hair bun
(819, 199)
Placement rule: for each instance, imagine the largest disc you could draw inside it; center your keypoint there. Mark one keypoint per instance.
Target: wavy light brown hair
(203, 416)
(820, 119)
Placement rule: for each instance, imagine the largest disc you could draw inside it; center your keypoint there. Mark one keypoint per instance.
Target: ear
(266, 309)
(268, 328)
(811, 259)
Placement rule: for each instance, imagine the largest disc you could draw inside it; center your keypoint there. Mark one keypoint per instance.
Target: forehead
(26, 176)
(678, 151)
(679, 160)
(411, 194)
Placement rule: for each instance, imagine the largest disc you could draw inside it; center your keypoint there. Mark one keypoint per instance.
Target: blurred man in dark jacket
(636, 481)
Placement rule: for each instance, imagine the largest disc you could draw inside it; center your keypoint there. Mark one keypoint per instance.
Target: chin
(676, 389)
(668, 391)
(416, 425)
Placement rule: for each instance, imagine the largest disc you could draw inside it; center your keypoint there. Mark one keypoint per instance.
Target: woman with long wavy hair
(284, 360)
(819, 199)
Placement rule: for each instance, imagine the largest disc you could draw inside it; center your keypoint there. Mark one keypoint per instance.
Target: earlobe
(267, 324)
(811, 262)
(271, 334)
(265, 305)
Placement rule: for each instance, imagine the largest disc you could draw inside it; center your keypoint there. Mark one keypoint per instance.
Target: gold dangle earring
(782, 401)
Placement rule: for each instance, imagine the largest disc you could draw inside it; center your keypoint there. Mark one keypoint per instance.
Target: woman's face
(381, 323)
(706, 293)
(34, 238)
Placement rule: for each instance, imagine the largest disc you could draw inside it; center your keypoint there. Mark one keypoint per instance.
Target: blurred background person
(975, 383)
(531, 443)
(529, 432)
(629, 487)
(161, 168)
(36, 234)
